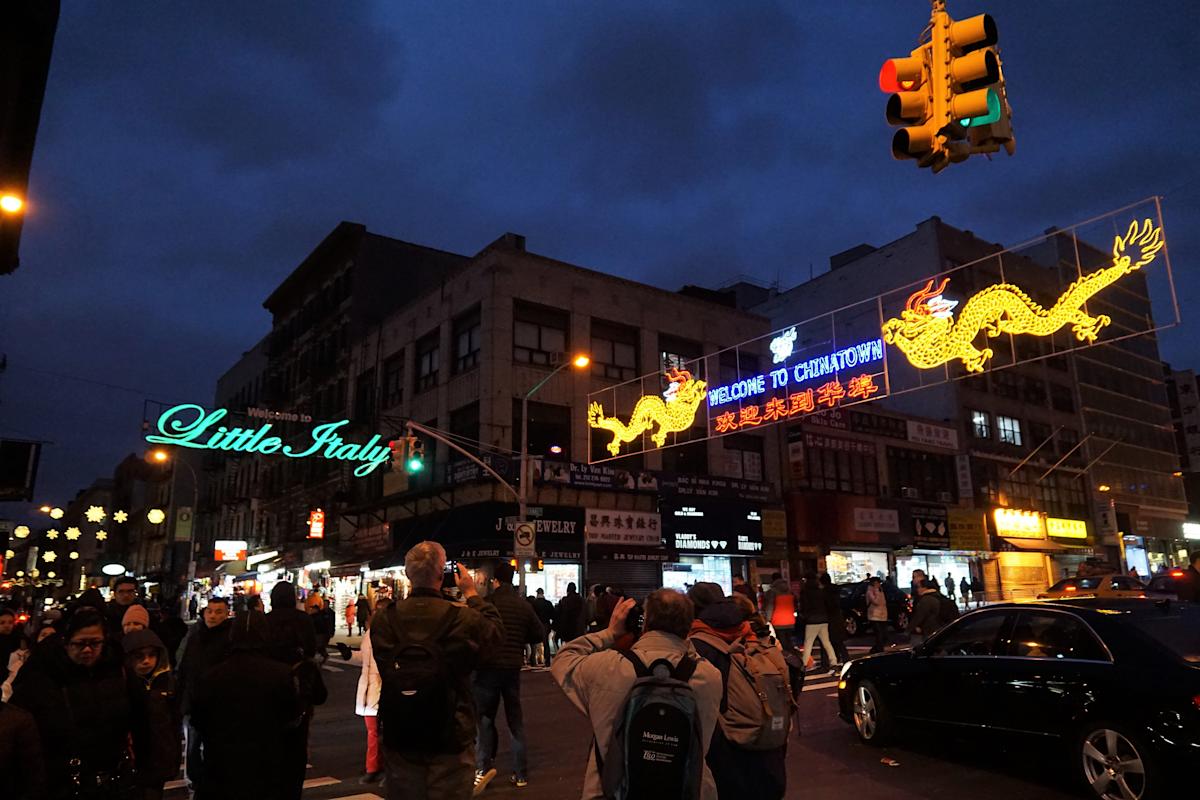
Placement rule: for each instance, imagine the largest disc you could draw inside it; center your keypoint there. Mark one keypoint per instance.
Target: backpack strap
(639, 669)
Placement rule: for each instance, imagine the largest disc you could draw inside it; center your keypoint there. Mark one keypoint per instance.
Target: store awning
(245, 576)
(1042, 545)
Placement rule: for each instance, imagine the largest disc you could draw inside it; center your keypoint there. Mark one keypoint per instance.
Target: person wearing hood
(249, 760)
(292, 642)
(77, 691)
(205, 647)
(598, 679)
(157, 718)
(738, 772)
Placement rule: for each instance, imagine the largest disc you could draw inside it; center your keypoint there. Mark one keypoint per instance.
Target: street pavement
(825, 760)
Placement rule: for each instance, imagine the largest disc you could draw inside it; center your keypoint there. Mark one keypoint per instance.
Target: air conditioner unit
(557, 358)
(945, 497)
(909, 492)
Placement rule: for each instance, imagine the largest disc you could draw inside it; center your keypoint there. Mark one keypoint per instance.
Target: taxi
(1110, 585)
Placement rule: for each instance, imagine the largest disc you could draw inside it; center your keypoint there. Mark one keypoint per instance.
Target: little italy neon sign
(192, 426)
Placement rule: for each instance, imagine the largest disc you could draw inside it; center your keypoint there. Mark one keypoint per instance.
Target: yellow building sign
(1066, 528)
(929, 335)
(1017, 524)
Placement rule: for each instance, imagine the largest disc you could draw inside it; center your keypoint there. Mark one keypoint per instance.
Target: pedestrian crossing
(178, 789)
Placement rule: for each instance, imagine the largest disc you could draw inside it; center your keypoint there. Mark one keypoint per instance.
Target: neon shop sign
(194, 427)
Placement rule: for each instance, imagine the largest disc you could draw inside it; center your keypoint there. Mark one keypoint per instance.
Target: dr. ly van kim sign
(192, 426)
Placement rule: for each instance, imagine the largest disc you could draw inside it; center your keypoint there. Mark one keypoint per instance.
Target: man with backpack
(748, 751)
(931, 612)
(426, 648)
(499, 677)
(652, 708)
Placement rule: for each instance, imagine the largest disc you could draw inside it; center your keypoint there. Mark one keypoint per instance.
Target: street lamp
(11, 203)
(162, 456)
(580, 361)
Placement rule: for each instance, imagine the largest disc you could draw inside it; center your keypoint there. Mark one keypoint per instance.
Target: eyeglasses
(86, 644)
(126, 591)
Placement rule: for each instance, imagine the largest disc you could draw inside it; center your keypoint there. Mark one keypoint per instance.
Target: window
(687, 459)
(840, 465)
(614, 351)
(539, 333)
(677, 353)
(393, 380)
(427, 361)
(1045, 634)
(466, 341)
(1062, 398)
(930, 476)
(1123, 583)
(981, 425)
(464, 422)
(1009, 430)
(364, 396)
(1038, 433)
(977, 635)
(1033, 390)
(744, 456)
(1005, 383)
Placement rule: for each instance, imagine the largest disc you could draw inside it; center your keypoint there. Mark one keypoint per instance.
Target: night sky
(190, 155)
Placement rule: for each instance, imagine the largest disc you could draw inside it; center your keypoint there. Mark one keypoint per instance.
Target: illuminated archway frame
(744, 390)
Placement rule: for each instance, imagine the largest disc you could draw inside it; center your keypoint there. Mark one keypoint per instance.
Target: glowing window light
(929, 336)
(674, 412)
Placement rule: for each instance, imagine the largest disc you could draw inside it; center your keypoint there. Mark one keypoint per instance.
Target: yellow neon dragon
(929, 336)
(675, 413)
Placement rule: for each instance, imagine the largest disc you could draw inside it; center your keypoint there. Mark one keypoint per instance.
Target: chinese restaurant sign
(197, 428)
(904, 340)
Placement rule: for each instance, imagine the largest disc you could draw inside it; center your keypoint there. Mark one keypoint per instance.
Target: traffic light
(398, 448)
(416, 455)
(910, 104)
(949, 93)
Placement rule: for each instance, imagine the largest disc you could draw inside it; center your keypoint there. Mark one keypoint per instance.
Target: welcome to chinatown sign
(1041, 299)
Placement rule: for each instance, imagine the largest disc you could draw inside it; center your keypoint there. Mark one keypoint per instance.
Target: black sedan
(853, 597)
(1115, 682)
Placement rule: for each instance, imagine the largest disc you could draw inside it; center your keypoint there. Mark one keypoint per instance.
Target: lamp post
(579, 362)
(162, 456)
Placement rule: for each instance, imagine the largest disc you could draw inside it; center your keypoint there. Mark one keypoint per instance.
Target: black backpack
(947, 610)
(657, 751)
(417, 699)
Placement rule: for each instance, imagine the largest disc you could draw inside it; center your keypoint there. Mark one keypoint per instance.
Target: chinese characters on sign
(933, 435)
(877, 520)
(613, 526)
(828, 395)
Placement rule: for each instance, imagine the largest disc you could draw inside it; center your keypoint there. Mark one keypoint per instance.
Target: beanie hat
(136, 613)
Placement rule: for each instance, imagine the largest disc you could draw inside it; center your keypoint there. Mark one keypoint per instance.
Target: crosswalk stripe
(812, 687)
(171, 785)
(331, 668)
(313, 783)
(367, 796)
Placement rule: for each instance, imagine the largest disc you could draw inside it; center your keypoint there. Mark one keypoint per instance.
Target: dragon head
(1145, 237)
(925, 309)
(683, 388)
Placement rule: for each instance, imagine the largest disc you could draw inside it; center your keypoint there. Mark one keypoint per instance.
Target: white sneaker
(482, 779)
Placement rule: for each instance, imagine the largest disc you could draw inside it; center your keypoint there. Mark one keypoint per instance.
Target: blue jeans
(492, 685)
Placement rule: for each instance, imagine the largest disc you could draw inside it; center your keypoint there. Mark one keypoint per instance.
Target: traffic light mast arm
(434, 433)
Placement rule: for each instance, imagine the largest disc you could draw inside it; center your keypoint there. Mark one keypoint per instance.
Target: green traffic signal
(416, 464)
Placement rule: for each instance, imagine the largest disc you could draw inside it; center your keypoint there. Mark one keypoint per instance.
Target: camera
(636, 620)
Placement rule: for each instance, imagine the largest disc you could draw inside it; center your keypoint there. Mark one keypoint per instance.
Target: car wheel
(851, 625)
(1116, 764)
(872, 721)
(902, 621)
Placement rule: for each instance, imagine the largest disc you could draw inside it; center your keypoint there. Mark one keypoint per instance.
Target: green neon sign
(192, 426)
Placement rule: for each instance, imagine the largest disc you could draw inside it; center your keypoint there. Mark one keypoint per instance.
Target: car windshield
(1178, 629)
(1075, 584)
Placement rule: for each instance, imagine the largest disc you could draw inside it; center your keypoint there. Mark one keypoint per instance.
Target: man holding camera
(426, 647)
(499, 677)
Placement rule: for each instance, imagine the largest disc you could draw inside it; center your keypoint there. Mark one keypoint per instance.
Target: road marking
(331, 668)
(313, 783)
(172, 785)
(832, 694)
(812, 687)
(360, 797)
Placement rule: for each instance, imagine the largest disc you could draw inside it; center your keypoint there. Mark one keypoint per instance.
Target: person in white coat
(366, 705)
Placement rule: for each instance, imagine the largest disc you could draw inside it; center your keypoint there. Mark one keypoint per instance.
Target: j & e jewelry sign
(199, 429)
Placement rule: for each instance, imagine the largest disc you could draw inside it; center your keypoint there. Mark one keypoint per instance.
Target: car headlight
(845, 669)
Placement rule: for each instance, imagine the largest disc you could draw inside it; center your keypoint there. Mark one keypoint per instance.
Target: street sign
(524, 540)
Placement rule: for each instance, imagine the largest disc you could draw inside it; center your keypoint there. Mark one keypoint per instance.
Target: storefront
(625, 549)
(714, 540)
(933, 551)
(1035, 550)
(852, 566)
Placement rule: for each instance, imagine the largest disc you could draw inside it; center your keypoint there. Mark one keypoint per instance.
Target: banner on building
(967, 530)
(965, 320)
(184, 519)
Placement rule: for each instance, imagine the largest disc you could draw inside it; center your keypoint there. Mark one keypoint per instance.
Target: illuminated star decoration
(72, 533)
(21, 531)
(52, 534)
(101, 535)
(74, 555)
(56, 513)
(50, 556)
(95, 514)
(120, 516)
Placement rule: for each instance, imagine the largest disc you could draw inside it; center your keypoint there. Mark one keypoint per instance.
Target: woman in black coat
(77, 690)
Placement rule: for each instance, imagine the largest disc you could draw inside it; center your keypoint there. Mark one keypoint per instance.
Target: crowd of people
(687, 694)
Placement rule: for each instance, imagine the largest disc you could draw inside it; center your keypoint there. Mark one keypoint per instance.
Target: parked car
(1111, 585)
(1074, 672)
(854, 606)
(1166, 584)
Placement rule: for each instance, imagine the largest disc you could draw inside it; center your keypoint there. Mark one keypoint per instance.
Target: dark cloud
(192, 154)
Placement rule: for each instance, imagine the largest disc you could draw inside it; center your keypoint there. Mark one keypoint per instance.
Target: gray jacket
(597, 679)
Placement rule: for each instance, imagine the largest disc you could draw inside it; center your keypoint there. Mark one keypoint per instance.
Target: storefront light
(318, 565)
(1191, 530)
(260, 557)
